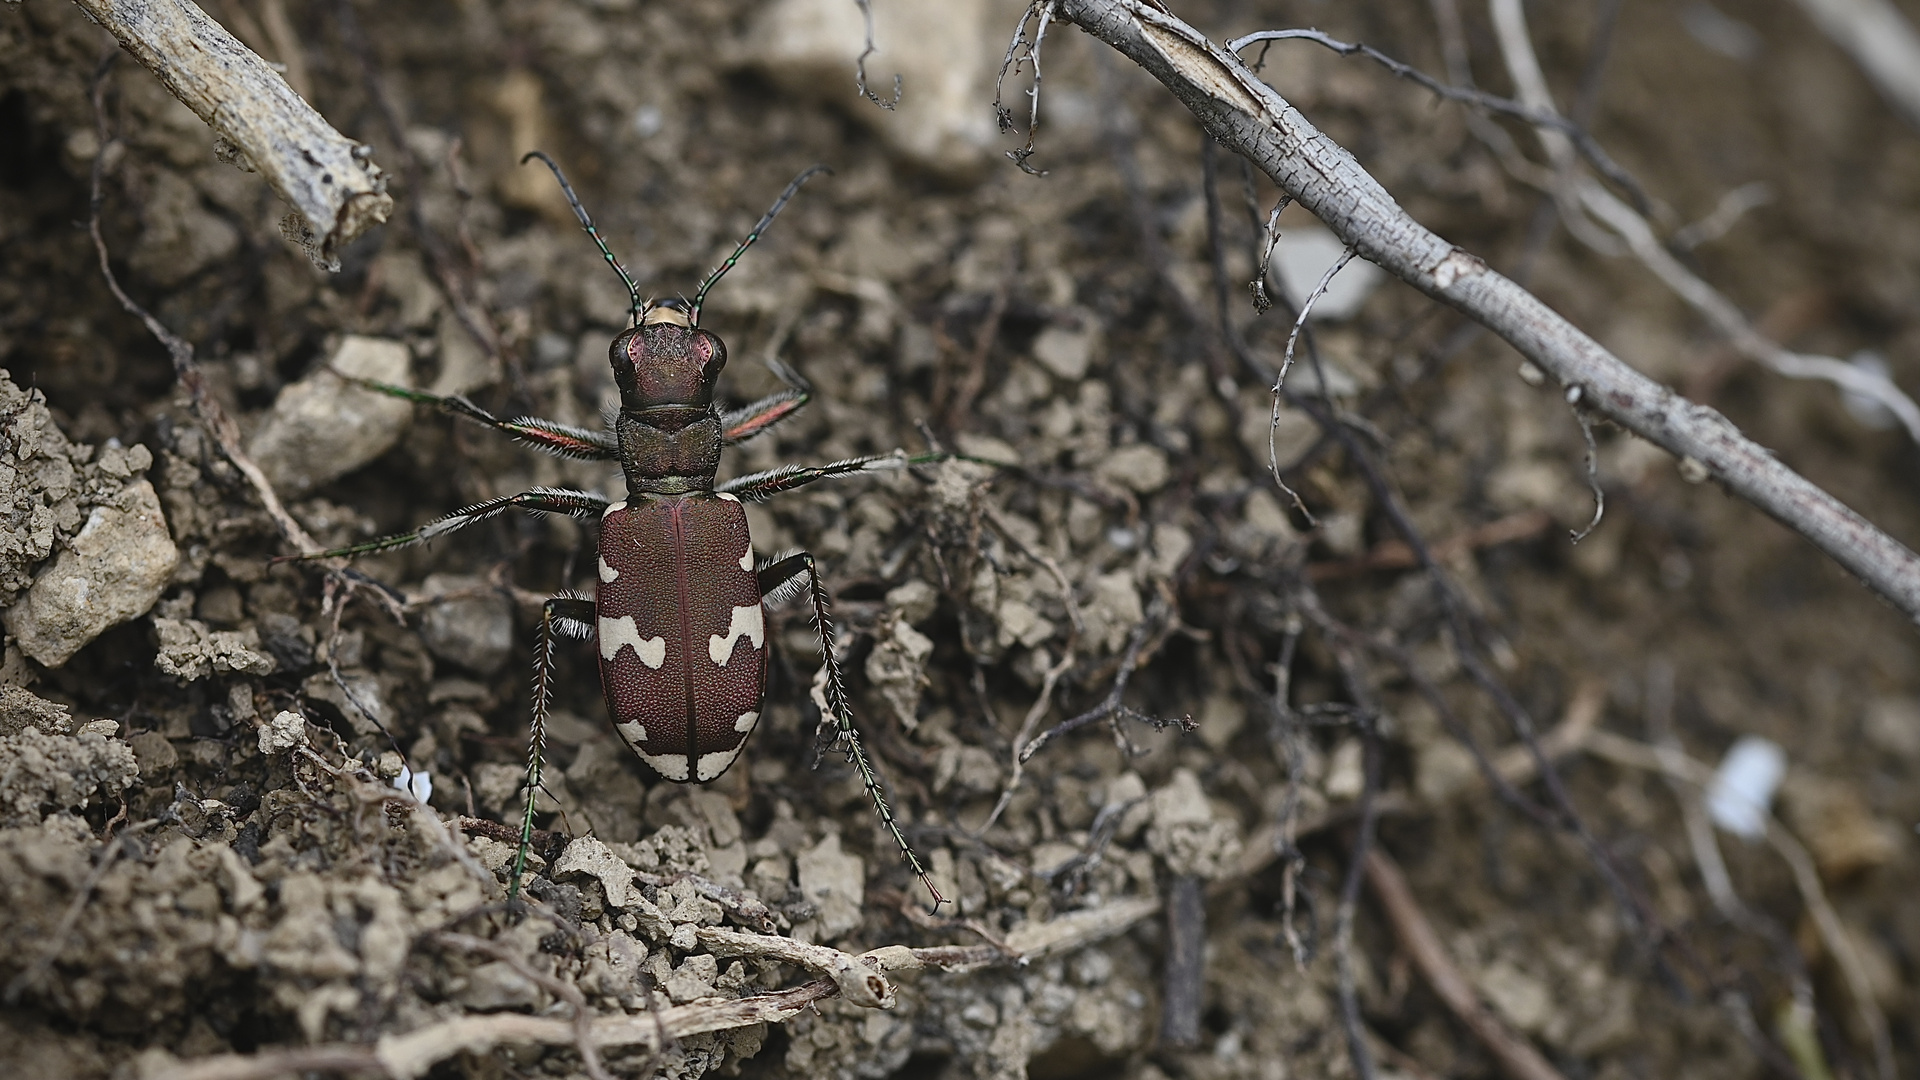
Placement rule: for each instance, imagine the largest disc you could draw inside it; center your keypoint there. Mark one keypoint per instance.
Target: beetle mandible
(679, 609)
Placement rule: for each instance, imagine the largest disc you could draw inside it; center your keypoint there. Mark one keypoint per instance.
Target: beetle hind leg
(780, 576)
(569, 617)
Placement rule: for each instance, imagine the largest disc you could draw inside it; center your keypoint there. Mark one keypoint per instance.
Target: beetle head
(667, 360)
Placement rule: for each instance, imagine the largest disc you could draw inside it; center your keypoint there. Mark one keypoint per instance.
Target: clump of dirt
(1139, 710)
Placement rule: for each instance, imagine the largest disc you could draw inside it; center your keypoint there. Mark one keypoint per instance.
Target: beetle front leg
(562, 440)
(774, 576)
(568, 617)
(744, 423)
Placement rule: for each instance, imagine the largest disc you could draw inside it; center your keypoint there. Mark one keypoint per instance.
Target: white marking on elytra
(748, 622)
(621, 631)
(712, 765)
(729, 496)
(746, 560)
(614, 508)
(633, 731)
(744, 725)
(607, 573)
(671, 766)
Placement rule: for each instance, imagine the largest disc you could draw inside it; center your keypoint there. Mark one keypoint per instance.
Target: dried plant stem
(1881, 41)
(405, 1057)
(1250, 117)
(1580, 195)
(330, 180)
(1517, 1058)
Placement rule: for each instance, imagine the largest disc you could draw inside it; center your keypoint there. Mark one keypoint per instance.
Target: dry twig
(335, 189)
(1252, 118)
(1580, 193)
(1517, 1058)
(1881, 41)
(405, 1057)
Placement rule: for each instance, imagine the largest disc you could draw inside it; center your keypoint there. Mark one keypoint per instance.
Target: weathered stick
(1245, 114)
(1517, 1057)
(335, 189)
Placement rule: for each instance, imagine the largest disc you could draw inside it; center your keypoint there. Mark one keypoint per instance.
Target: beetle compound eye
(710, 351)
(622, 356)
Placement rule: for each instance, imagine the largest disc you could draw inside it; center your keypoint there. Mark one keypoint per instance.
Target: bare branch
(1251, 117)
(335, 189)
(1517, 1058)
(1881, 41)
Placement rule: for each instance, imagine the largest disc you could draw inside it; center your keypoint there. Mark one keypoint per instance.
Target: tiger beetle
(679, 611)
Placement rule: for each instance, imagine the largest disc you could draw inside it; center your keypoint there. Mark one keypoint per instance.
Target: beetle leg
(580, 504)
(772, 578)
(739, 425)
(744, 423)
(561, 440)
(758, 487)
(561, 616)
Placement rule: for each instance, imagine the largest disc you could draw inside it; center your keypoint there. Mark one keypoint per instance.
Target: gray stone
(190, 651)
(323, 426)
(285, 731)
(472, 627)
(834, 882)
(111, 571)
(20, 709)
(41, 772)
(947, 55)
(496, 987)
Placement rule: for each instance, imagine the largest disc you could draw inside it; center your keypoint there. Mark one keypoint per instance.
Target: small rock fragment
(1139, 468)
(693, 979)
(472, 628)
(42, 773)
(360, 701)
(496, 987)
(1064, 351)
(1185, 833)
(154, 752)
(588, 857)
(1892, 724)
(915, 600)
(285, 731)
(1302, 258)
(323, 426)
(190, 651)
(112, 570)
(946, 53)
(1112, 609)
(898, 668)
(1838, 827)
(20, 709)
(1743, 786)
(1346, 773)
(1527, 1002)
(834, 882)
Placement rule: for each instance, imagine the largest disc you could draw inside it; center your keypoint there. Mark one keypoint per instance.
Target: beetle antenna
(634, 303)
(766, 219)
